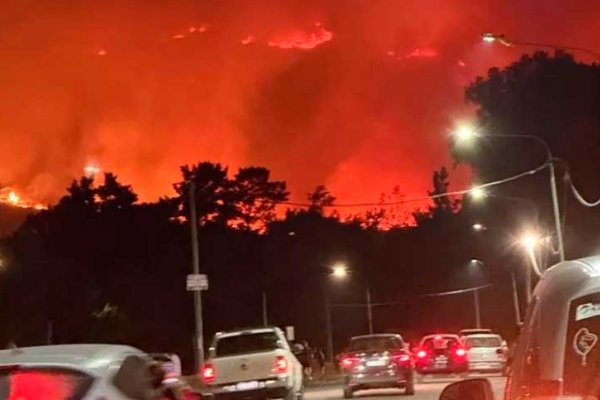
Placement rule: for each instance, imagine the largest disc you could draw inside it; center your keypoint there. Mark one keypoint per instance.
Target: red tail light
(349, 362)
(281, 365)
(209, 373)
(421, 354)
(401, 358)
(460, 352)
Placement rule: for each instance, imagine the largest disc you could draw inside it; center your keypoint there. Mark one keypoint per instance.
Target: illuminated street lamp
(465, 133)
(529, 241)
(477, 227)
(339, 271)
(477, 193)
(490, 37)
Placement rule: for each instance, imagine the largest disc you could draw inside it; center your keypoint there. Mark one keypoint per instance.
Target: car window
(376, 343)
(440, 342)
(247, 343)
(134, 379)
(43, 383)
(484, 341)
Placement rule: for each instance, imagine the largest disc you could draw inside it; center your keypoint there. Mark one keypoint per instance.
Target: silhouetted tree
(443, 206)
(256, 197)
(319, 199)
(114, 195)
(558, 100)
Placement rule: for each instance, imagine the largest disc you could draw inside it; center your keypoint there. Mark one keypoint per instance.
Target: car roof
(558, 286)
(483, 335)
(91, 358)
(378, 335)
(246, 331)
(444, 335)
(465, 332)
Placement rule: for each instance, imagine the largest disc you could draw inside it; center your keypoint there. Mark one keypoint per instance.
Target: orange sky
(358, 95)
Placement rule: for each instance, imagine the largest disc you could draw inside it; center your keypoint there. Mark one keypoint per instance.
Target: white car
(486, 352)
(252, 363)
(77, 372)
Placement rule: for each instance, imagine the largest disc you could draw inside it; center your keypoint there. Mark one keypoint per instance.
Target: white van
(557, 355)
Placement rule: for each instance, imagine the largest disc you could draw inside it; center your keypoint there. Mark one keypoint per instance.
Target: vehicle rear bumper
(492, 366)
(268, 389)
(452, 369)
(380, 380)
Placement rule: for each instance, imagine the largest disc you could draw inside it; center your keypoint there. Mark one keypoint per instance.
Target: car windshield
(483, 341)
(43, 383)
(440, 342)
(247, 343)
(376, 343)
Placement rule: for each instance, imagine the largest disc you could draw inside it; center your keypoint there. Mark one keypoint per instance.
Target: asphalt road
(428, 390)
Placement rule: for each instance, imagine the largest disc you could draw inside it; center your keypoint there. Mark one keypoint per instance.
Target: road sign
(197, 282)
(290, 334)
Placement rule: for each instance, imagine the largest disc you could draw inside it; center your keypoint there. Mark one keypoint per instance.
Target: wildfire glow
(91, 170)
(247, 40)
(422, 53)
(302, 39)
(11, 197)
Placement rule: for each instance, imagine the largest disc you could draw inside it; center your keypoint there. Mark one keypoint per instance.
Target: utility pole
(516, 298)
(265, 316)
(199, 337)
(477, 310)
(328, 327)
(369, 310)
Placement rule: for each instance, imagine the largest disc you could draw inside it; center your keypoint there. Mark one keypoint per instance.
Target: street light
(478, 193)
(490, 37)
(477, 227)
(465, 133)
(339, 271)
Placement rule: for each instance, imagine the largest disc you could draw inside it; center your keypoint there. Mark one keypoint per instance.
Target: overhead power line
(578, 195)
(424, 198)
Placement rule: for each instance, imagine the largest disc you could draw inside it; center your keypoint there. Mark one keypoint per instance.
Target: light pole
(340, 272)
(501, 38)
(196, 270)
(476, 263)
(462, 135)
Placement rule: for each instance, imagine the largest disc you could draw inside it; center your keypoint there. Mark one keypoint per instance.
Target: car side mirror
(470, 389)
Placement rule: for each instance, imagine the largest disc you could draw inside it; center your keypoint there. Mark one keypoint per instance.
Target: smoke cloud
(358, 95)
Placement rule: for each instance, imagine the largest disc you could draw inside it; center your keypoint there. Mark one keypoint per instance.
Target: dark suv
(441, 354)
(377, 361)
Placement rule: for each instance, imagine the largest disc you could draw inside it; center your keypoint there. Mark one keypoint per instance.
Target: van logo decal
(588, 310)
(583, 343)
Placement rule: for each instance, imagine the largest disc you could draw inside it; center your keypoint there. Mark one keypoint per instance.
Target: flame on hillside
(11, 197)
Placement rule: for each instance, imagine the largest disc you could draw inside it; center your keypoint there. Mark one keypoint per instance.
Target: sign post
(196, 281)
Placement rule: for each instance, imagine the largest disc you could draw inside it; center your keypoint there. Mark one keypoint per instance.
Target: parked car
(557, 355)
(252, 363)
(377, 361)
(79, 372)
(441, 354)
(485, 352)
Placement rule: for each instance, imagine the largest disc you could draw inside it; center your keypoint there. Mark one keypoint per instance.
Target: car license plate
(376, 363)
(247, 385)
(440, 362)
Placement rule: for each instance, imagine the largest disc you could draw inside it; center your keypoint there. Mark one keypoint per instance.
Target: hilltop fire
(12, 198)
